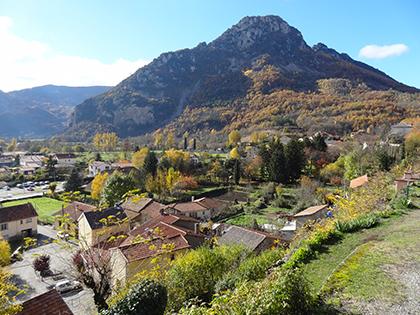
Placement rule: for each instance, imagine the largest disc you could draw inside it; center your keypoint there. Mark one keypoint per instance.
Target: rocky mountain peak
(254, 29)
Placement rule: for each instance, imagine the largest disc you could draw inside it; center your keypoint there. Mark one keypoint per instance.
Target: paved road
(60, 260)
(22, 193)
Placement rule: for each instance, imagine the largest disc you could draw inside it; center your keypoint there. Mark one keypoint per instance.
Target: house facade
(98, 226)
(18, 221)
(98, 167)
(167, 238)
(202, 208)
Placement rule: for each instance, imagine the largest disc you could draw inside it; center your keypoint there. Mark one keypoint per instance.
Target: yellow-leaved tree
(234, 154)
(98, 185)
(4, 252)
(234, 138)
(138, 157)
(8, 303)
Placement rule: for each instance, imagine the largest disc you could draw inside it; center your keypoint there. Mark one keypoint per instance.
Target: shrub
(251, 269)
(144, 298)
(195, 274)
(284, 292)
(363, 222)
(42, 264)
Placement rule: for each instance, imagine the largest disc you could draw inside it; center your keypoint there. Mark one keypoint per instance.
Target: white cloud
(380, 52)
(26, 63)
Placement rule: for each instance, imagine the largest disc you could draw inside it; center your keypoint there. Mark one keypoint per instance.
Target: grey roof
(94, 217)
(241, 236)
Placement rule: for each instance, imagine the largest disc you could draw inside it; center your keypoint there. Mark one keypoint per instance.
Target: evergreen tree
(74, 182)
(319, 143)
(116, 187)
(150, 163)
(384, 159)
(194, 144)
(277, 163)
(295, 159)
(237, 171)
(50, 166)
(98, 157)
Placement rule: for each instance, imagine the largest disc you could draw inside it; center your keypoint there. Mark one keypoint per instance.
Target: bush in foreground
(144, 298)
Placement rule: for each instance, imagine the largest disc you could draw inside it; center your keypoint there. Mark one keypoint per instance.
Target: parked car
(19, 185)
(68, 285)
(30, 188)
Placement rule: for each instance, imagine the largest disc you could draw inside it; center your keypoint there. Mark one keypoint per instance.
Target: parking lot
(15, 193)
(60, 261)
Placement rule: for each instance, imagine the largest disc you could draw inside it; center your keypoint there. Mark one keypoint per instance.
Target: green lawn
(359, 269)
(44, 206)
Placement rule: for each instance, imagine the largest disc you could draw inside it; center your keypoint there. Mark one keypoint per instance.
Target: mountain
(41, 111)
(261, 54)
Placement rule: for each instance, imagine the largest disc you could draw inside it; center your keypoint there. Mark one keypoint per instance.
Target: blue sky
(100, 42)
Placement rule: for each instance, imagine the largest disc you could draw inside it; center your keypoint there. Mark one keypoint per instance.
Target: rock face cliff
(215, 73)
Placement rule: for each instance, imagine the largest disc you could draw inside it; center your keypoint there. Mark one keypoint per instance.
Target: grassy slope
(366, 266)
(44, 206)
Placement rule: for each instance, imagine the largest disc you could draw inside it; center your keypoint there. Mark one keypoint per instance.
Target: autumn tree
(412, 143)
(98, 185)
(12, 145)
(158, 139)
(4, 252)
(105, 141)
(234, 138)
(139, 157)
(234, 154)
(8, 302)
(170, 140)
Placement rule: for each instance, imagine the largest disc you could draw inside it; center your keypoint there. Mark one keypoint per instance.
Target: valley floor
(375, 271)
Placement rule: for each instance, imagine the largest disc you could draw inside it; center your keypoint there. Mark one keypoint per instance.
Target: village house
(98, 167)
(65, 160)
(165, 237)
(255, 241)
(310, 214)
(48, 303)
(203, 208)
(18, 221)
(359, 181)
(141, 210)
(73, 211)
(97, 226)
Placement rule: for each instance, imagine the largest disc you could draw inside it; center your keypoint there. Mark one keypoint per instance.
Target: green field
(44, 206)
(370, 266)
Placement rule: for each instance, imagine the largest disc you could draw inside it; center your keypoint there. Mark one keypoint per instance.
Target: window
(3, 226)
(21, 221)
(28, 220)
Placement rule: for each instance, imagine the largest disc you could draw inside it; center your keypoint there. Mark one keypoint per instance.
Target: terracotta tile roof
(187, 207)
(133, 207)
(186, 224)
(75, 209)
(241, 236)
(162, 233)
(18, 212)
(49, 303)
(211, 203)
(359, 181)
(311, 210)
(94, 217)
